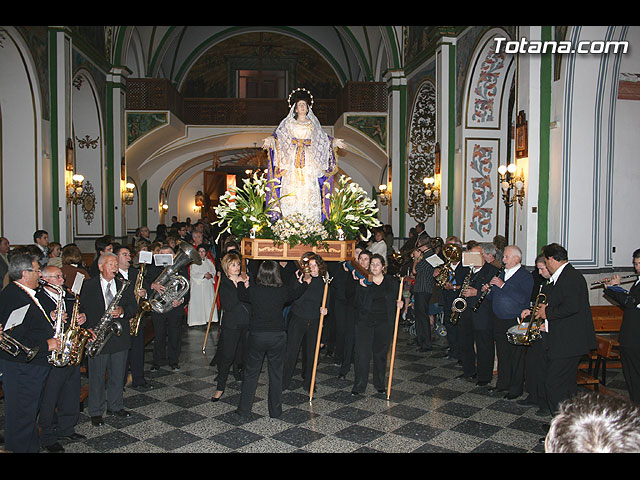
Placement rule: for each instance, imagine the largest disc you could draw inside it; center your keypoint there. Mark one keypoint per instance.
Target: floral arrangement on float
(244, 212)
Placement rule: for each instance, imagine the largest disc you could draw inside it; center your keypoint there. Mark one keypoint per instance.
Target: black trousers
(135, 361)
(339, 314)
(349, 340)
(372, 339)
(423, 324)
(271, 344)
(302, 333)
(60, 408)
(560, 383)
(23, 386)
(535, 371)
(453, 334)
(510, 358)
(167, 329)
(233, 348)
(630, 358)
(477, 350)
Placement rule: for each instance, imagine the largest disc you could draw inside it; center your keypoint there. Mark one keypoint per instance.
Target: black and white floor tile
(429, 411)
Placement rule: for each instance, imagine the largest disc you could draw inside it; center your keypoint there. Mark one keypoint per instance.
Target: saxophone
(460, 303)
(57, 357)
(75, 337)
(107, 326)
(144, 305)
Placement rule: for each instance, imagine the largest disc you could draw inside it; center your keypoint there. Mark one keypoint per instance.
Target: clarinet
(485, 293)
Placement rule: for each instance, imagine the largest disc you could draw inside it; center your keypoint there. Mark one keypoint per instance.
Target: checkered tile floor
(429, 410)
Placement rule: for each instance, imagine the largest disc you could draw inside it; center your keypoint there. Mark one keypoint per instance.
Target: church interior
(467, 129)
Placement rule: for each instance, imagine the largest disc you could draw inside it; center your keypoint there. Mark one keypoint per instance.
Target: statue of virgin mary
(302, 158)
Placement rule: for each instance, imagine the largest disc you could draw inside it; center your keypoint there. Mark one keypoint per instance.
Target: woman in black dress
(267, 335)
(235, 323)
(376, 303)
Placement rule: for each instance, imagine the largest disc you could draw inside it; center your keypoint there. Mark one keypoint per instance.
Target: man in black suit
(23, 380)
(630, 329)
(135, 358)
(96, 295)
(569, 325)
(448, 294)
(60, 407)
(102, 245)
(476, 327)
(41, 240)
(167, 326)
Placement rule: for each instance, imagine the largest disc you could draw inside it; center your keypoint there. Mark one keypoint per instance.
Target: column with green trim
(397, 89)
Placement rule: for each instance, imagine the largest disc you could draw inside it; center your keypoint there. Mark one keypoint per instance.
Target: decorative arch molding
(21, 144)
(485, 137)
(421, 149)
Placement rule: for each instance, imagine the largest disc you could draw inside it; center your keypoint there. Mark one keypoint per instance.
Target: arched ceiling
(356, 53)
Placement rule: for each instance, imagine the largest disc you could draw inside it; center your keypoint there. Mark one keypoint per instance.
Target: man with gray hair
(510, 295)
(23, 380)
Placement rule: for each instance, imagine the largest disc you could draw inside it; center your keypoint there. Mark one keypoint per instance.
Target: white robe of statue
(202, 291)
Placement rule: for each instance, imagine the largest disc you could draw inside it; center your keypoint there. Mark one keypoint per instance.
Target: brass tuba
(452, 254)
(175, 285)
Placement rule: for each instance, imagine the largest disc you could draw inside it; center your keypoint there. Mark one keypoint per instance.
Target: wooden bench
(606, 322)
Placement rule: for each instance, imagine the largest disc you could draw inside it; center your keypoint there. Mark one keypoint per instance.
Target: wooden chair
(606, 322)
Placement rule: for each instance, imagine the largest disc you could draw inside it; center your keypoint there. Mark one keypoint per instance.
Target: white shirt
(104, 284)
(508, 272)
(124, 273)
(556, 274)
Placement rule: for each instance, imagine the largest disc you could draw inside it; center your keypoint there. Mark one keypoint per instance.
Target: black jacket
(571, 332)
(630, 328)
(235, 313)
(483, 318)
(364, 300)
(92, 298)
(267, 304)
(35, 329)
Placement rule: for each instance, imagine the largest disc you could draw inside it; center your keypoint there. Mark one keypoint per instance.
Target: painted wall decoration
(486, 88)
(481, 189)
(422, 141)
(141, 123)
(373, 126)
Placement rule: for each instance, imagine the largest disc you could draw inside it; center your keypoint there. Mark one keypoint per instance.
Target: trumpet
(14, 347)
(605, 280)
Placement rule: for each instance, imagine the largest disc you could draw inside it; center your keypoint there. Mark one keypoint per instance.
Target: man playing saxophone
(97, 295)
(60, 407)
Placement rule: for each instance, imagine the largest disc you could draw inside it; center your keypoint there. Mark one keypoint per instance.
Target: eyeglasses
(32, 270)
(55, 276)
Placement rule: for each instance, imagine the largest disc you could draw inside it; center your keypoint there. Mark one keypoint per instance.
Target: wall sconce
(432, 194)
(164, 207)
(127, 194)
(385, 195)
(74, 189)
(512, 185)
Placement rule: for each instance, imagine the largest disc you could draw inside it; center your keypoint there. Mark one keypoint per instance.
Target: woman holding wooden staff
(377, 304)
(305, 320)
(236, 321)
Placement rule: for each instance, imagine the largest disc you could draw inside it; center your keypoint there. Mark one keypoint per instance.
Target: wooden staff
(327, 280)
(395, 338)
(213, 308)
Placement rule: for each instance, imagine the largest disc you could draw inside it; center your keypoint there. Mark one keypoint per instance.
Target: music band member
(630, 329)
(510, 294)
(97, 295)
(447, 295)
(23, 381)
(167, 326)
(569, 325)
(422, 291)
(535, 368)
(60, 407)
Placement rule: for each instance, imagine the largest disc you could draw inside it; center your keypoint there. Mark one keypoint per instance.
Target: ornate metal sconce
(384, 194)
(512, 185)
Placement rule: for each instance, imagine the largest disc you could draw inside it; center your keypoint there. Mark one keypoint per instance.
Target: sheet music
(77, 283)
(163, 259)
(16, 317)
(145, 257)
(435, 261)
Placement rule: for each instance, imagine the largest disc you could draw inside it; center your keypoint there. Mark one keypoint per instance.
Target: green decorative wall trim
(141, 123)
(109, 162)
(452, 137)
(402, 201)
(546, 74)
(53, 84)
(373, 126)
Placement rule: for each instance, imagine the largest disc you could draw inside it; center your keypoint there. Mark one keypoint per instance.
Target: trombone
(14, 347)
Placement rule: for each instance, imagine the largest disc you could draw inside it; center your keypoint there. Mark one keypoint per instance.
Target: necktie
(108, 294)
